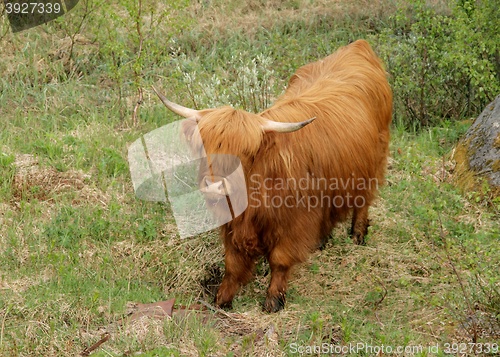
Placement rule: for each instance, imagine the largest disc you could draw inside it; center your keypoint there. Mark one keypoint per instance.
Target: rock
(477, 154)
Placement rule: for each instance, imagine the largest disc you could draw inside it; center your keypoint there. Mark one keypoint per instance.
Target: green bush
(443, 64)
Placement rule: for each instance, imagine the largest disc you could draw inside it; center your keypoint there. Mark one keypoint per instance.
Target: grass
(77, 248)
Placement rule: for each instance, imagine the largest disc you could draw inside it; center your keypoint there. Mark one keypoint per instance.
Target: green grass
(77, 247)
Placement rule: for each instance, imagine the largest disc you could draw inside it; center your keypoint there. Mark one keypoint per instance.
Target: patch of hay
(22, 284)
(250, 15)
(32, 181)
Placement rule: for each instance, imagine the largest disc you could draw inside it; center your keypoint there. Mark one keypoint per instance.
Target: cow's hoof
(274, 303)
(323, 242)
(228, 305)
(358, 239)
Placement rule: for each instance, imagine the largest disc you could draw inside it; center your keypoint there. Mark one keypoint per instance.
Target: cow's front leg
(239, 271)
(276, 293)
(281, 259)
(284, 256)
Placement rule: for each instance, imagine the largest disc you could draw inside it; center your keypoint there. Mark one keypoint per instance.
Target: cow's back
(350, 97)
(356, 66)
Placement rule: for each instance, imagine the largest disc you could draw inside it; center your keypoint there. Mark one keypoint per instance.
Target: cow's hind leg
(360, 223)
(239, 271)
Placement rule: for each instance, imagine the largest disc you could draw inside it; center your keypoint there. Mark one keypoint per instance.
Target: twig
(377, 303)
(443, 172)
(216, 309)
(137, 69)
(459, 279)
(3, 325)
(87, 351)
(136, 108)
(179, 179)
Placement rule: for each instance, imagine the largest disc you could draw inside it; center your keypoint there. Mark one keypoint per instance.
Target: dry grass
(33, 182)
(249, 16)
(378, 285)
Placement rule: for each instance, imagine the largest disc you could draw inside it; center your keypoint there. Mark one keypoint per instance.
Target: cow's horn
(176, 108)
(280, 127)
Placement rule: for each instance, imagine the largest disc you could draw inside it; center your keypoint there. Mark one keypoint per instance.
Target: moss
(467, 180)
(496, 166)
(496, 144)
(476, 143)
(464, 176)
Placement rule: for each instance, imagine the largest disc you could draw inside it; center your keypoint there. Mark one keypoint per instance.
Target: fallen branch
(87, 351)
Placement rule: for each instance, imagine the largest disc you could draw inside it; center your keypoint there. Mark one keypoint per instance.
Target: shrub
(443, 64)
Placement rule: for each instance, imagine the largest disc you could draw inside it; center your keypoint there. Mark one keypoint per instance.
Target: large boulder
(477, 154)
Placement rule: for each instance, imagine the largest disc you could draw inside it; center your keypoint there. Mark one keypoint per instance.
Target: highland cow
(313, 159)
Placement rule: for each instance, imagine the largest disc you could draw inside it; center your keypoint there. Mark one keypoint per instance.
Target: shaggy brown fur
(300, 184)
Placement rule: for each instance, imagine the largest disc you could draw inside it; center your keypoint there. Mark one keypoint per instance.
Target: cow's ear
(189, 127)
(280, 127)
